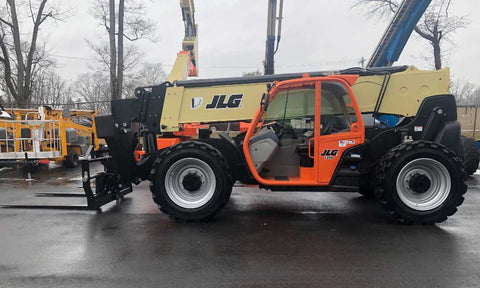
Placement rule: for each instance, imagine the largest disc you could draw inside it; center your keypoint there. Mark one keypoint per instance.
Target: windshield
(292, 104)
(296, 108)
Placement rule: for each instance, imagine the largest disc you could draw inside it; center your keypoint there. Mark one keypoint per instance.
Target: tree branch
(7, 70)
(18, 51)
(36, 26)
(423, 34)
(6, 22)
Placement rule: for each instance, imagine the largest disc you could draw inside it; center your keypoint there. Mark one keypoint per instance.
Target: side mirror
(265, 101)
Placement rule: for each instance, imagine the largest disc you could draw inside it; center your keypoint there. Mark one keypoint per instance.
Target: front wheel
(191, 181)
(420, 182)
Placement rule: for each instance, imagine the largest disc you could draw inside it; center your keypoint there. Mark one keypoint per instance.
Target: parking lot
(261, 239)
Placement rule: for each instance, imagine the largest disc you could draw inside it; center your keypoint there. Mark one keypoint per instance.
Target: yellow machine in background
(45, 134)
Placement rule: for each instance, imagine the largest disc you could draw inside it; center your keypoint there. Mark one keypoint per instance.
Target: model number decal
(224, 102)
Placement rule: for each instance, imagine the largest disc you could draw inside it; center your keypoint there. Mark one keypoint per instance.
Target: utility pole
(362, 61)
(272, 21)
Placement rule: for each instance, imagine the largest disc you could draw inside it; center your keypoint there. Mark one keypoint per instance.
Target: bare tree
(121, 22)
(436, 26)
(253, 73)
(147, 75)
(93, 90)
(151, 74)
(131, 62)
(4, 95)
(466, 93)
(131, 57)
(51, 89)
(21, 58)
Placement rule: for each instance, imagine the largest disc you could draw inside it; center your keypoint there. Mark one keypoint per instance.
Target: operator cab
(304, 125)
(284, 147)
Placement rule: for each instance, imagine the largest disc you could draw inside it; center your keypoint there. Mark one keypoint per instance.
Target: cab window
(336, 112)
(293, 107)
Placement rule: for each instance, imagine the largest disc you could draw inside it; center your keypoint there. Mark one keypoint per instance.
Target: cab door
(340, 127)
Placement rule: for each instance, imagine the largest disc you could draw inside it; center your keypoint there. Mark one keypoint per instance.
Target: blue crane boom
(398, 32)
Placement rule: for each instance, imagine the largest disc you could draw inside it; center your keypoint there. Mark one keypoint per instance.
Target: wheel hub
(192, 182)
(419, 183)
(423, 184)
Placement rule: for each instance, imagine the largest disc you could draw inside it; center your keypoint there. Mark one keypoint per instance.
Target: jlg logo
(221, 102)
(329, 154)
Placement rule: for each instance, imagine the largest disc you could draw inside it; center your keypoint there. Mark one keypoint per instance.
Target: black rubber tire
(209, 155)
(470, 155)
(389, 168)
(72, 159)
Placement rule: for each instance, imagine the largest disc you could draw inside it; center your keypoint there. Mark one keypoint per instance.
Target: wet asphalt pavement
(261, 239)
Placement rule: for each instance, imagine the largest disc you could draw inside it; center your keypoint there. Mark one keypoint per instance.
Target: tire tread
(192, 145)
(470, 155)
(388, 160)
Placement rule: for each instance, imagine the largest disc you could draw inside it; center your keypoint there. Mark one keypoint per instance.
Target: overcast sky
(317, 35)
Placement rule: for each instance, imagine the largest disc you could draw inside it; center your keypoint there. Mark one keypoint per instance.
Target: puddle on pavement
(52, 175)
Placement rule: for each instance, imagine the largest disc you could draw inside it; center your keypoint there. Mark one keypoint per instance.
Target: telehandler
(319, 131)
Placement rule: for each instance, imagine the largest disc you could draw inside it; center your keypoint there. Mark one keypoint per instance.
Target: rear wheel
(420, 182)
(191, 181)
(470, 154)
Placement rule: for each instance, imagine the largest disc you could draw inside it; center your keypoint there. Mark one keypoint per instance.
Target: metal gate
(30, 139)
